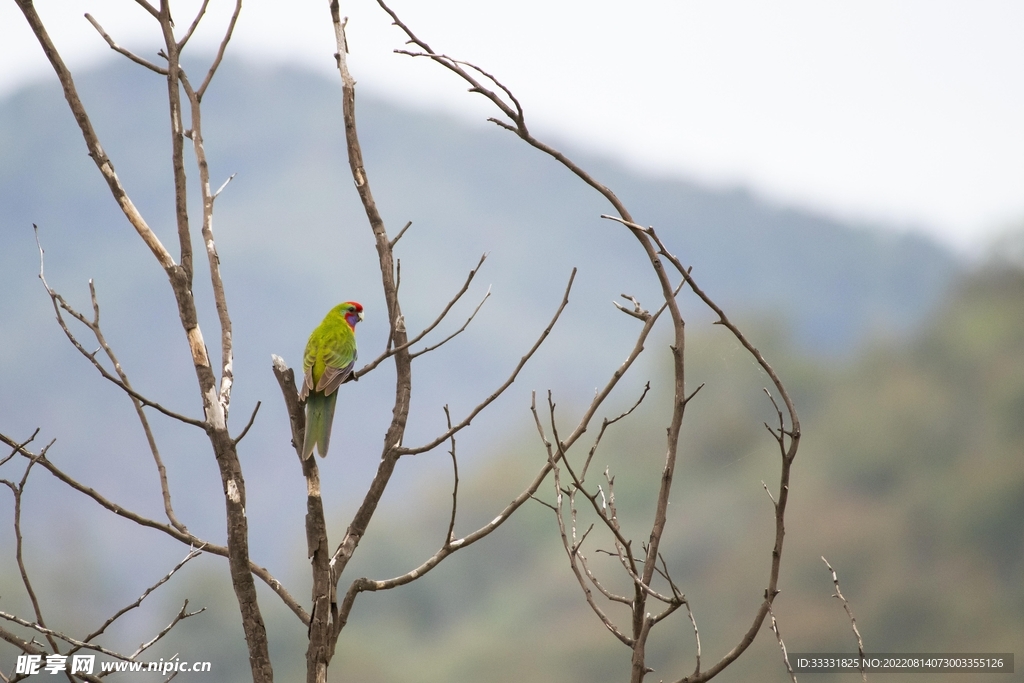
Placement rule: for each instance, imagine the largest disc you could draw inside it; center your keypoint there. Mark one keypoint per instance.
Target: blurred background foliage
(905, 361)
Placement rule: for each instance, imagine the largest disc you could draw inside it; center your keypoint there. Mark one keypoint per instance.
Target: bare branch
(672, 607)
(397, 337)
(362, 585)
(19, 447)
(605, 424)
(428, 349)
(450, 536)
(782, 645)
(324, 618)
(252, 418)
(389, 352)
(599, 399)
(572, 549)
(18, 490)
(194, 25)
(597, 584)
(544, 503)
(180, 279)
(180, 616)
(500, 390)
(663, 571)
(50, 633)
(149, 8)
(286, 380)
(638, 311)
(127, 53)
(401, 232)
(220, 50)
(694, 393)
(28, 647)
(192, 554)
(60, 304)
(225, 184)
(724, 321)
(451, 545)
(655, 251)
(638, 581)
(122, 378)
(853, 622)
(188, 539)
(455, 66)
(603, 510)
(696, 635)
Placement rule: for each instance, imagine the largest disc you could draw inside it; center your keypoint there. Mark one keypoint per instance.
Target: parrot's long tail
(319, 416)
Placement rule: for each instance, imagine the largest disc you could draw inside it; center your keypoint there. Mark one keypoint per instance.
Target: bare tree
(328, 614)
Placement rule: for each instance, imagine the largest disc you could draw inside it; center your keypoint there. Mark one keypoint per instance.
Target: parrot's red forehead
(356, 305)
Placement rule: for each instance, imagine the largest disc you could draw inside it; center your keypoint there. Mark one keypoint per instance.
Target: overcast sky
(905, 111)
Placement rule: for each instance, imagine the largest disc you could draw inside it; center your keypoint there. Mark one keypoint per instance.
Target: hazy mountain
(279, 129)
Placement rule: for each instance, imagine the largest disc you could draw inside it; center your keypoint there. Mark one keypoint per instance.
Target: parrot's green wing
(328, 361)
(334, 376)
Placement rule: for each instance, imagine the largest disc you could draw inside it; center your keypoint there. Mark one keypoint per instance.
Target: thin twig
(194, 25)
(581, 579)
(223, 185)
(180, 616)
(18, 447)
(61, 636)
(637, 312)
(60, 304)
(391, 351)
(149, 8)
(433, 347)
(696, 635)
(188, 539)
(782, 645)
(605, 424)
(853, 622)
(192, 554)
(252, 418)
(18, 490)
(450, 536)
(127, 53)
(94, 326)
(397, 237)
(614, 597)
(220, 50)
(501, 389)
(448, 548)
(723, 320)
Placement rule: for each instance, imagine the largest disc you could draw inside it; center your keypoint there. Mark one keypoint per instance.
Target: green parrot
(328, 361)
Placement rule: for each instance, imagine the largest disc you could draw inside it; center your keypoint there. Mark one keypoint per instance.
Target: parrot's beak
(360, 316)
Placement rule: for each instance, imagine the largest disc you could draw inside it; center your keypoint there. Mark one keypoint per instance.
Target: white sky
(906, 111)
